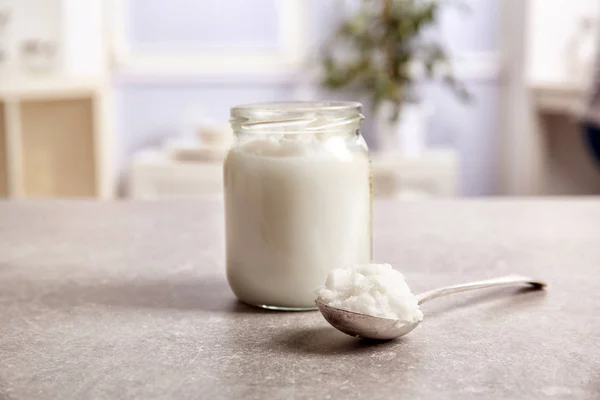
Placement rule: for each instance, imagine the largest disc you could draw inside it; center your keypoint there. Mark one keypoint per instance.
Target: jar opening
(296, 117)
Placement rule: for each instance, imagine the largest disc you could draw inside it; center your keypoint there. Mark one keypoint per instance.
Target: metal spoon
(366, 326)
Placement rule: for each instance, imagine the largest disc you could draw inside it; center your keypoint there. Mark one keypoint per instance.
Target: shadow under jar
(297, 199)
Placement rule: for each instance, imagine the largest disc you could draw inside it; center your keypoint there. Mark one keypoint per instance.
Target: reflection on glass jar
(297, 199)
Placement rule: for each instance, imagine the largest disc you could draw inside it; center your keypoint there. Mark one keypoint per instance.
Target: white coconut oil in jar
(297, 199)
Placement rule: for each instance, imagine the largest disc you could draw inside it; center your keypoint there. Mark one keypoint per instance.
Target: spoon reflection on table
(369, 327)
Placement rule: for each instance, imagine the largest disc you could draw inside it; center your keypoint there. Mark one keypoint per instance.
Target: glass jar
(297, 199)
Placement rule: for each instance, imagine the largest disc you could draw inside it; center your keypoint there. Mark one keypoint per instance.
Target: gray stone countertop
(108, 300)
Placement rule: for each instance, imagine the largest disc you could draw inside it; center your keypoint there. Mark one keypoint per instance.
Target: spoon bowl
(365, 326)
(370, 327)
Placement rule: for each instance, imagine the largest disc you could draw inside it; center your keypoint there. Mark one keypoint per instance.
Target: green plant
(377, 49)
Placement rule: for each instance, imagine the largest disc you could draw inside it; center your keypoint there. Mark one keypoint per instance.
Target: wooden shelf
(48, 88)
(558, 98)
(55, 140)
(56, 135)
(58, 161)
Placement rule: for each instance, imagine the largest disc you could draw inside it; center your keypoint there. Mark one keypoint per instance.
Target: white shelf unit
(558, 62)
(154, 175)
(554, 98)
(551, 64)
(54, 139)
(432, 174)
(55, 125)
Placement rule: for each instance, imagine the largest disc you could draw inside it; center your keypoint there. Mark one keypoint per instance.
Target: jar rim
(294, 117)
(250, 110)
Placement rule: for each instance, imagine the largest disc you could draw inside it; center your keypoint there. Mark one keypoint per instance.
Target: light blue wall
(187, 24)
(148, 112)
(474, 130)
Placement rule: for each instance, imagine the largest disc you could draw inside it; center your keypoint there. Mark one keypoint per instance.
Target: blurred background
(130, 98)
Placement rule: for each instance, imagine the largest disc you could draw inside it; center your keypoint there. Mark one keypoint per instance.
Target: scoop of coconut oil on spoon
(367, 321)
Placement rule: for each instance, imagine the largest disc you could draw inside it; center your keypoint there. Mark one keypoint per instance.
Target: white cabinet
(55, 122)
(154, 175)
(547, 154)
(561, 41)
(432, 174)
(55, 140)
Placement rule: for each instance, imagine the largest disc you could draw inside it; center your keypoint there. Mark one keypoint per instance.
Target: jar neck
(297, 118)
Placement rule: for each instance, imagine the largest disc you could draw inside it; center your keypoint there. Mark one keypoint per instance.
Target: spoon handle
(502, 281)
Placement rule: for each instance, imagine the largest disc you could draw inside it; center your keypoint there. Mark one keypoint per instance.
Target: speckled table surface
(129, 300)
